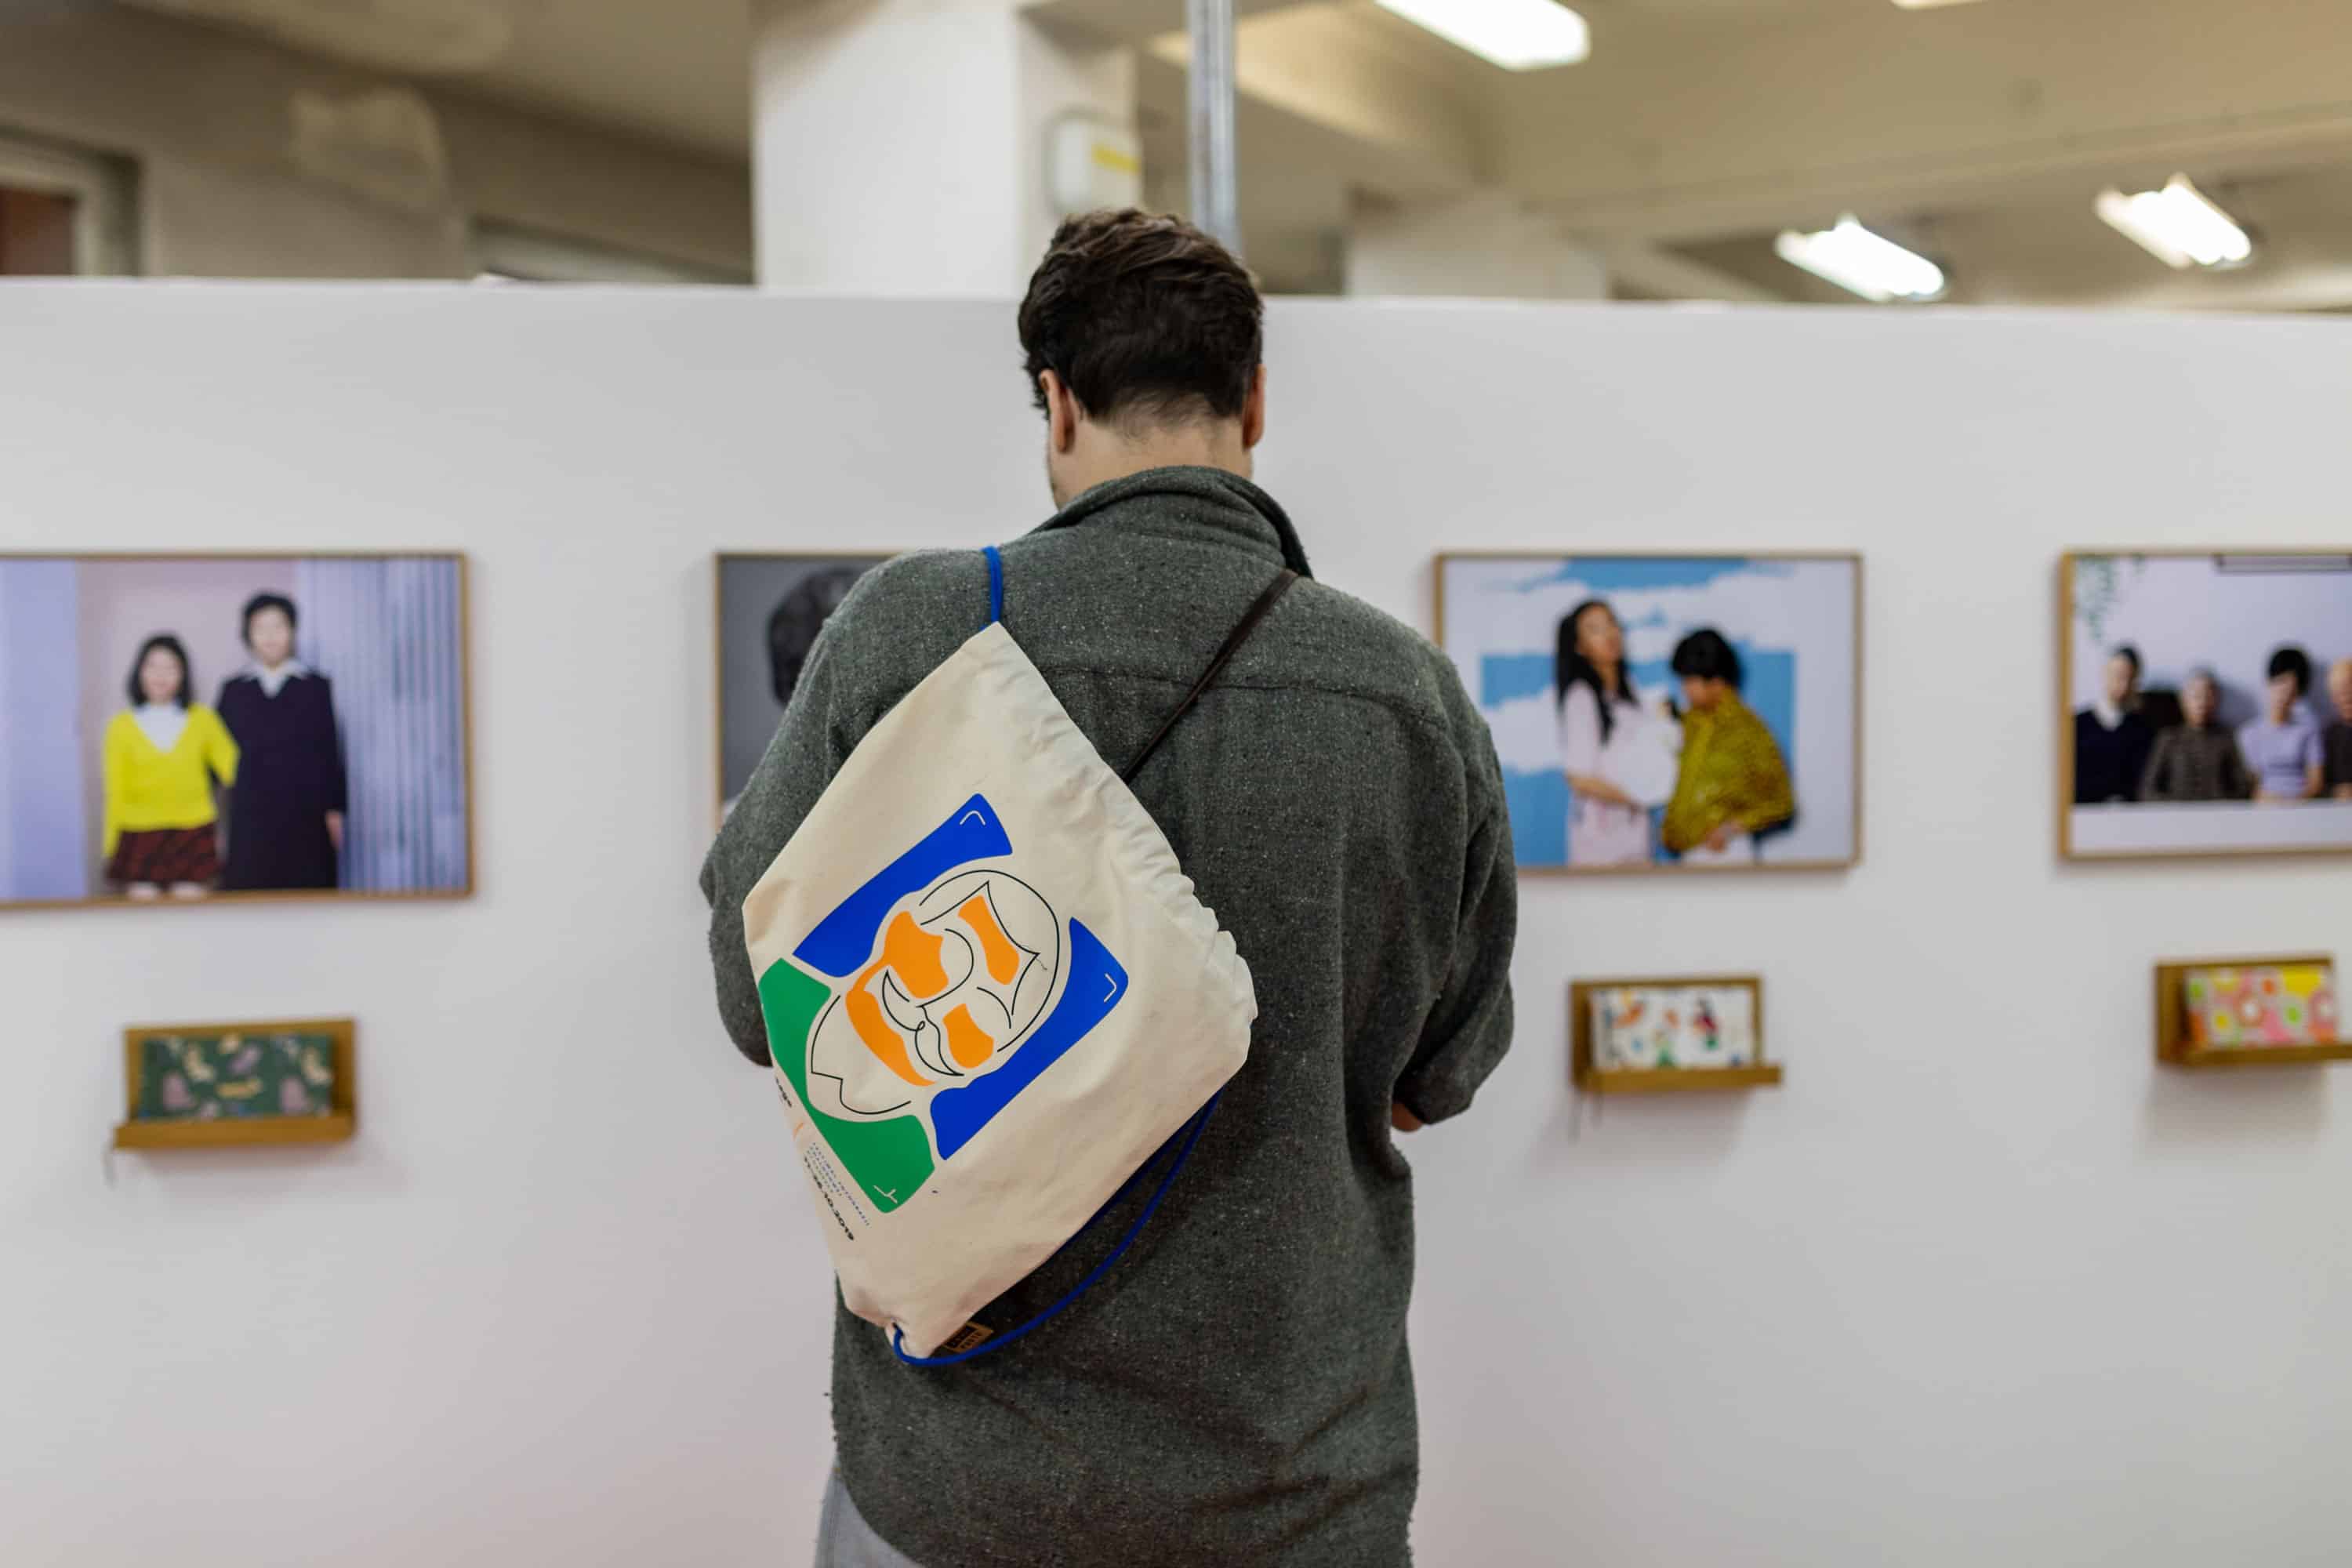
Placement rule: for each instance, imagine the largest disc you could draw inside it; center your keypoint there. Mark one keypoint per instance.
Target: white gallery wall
(1979, 1285)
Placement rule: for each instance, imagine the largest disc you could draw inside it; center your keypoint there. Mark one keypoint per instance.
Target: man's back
(1237, 1390)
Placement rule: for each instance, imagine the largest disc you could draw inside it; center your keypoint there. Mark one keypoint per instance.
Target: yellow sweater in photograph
(149, 790)
(1732, 773)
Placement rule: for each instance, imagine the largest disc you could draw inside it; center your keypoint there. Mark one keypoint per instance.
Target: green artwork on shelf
(233, 1075)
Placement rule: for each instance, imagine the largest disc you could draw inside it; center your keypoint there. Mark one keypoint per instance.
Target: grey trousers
(844, 1539)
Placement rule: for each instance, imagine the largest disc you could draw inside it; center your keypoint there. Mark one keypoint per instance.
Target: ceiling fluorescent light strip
(1517, 35)
(2178, 225)
(1861, 262)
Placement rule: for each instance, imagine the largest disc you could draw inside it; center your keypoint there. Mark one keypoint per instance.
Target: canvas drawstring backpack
(991, 994)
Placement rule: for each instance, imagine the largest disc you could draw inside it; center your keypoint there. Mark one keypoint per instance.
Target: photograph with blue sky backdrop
(1791, 621)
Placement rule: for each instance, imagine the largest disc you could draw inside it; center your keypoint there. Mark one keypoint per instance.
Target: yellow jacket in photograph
(148, 790)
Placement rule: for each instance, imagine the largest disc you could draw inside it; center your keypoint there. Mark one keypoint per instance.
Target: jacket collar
(1208, 500)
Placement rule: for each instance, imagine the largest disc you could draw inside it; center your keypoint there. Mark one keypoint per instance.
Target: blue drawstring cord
(1200, 1120)
(995, 584)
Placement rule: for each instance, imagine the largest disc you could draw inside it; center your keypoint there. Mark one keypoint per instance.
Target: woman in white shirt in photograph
(1610, 747)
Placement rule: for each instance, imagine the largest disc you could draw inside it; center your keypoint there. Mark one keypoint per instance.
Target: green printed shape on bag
(888, 1159)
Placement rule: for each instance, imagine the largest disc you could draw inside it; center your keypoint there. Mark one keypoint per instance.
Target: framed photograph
(1683, 1033)
(2205, 703)
(186, 729)
(769, 610)
(1667, 712)
(188, 1085)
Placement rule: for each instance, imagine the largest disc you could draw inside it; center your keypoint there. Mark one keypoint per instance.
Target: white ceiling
(2047, 247)
(1697, 129)
(674, 71)
(678, 70)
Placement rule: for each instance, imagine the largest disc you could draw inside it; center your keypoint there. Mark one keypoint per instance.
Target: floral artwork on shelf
(1652, 1027)
(2256, 1006)
(202, 1076)
(193, 1085)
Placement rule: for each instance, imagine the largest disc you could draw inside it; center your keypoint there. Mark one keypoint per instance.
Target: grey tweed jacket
(1237, 1391)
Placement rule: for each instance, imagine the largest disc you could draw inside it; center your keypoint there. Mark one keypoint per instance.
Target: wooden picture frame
(1851, 559)
(2173, 1048)
(720, 562)
(1593, 1078)
(465, 888)
(339, 1123)
(2063, 800)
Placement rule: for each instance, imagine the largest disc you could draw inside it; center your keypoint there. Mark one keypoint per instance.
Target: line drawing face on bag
(929, 1000)
(959, 978)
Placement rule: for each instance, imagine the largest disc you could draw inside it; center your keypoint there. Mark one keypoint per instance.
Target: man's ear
(1254, 410)
(1062, 411)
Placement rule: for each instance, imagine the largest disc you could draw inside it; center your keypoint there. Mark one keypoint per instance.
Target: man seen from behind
(1237, 1390)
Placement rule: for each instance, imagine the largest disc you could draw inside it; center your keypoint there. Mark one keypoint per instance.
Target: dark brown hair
(2293, 660)
(1142, 315)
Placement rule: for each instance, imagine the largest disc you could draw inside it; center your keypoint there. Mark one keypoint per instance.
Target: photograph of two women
(1690, 711)
(183, 728)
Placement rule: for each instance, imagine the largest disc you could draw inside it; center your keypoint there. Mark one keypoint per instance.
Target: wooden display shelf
(340, 1123)
(1678, 1081)
(235, 1130)
(1595, 1079)
(2260, 1056)
(2172, 1047)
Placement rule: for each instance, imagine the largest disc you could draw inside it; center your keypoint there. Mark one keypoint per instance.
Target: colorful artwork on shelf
(1640, 1027)
(2260, 1005)
(233, 1075)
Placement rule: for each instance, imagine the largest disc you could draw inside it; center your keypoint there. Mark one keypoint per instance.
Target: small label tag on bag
(971, 1336)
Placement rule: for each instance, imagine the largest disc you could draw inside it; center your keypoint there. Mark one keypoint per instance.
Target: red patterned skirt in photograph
(165, 855)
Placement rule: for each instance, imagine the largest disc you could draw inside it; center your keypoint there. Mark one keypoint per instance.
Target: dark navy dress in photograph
(290, 777)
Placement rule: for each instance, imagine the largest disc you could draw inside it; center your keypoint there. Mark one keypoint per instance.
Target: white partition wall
(1980, 1284)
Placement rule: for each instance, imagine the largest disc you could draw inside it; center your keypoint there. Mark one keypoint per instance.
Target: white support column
(1481, 246)
(900, 145)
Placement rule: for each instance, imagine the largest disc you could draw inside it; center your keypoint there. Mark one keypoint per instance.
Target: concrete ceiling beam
(1137, 22)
